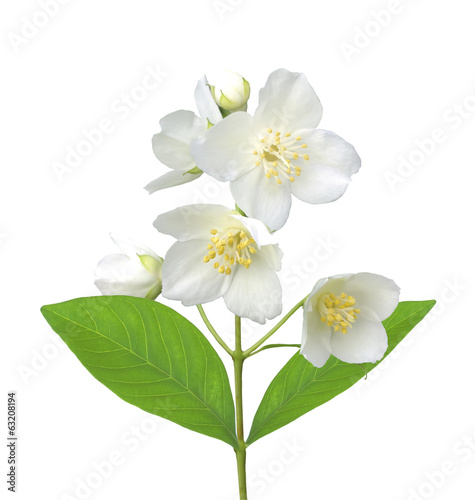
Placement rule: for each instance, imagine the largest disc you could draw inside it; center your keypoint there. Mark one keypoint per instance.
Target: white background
(386, 93)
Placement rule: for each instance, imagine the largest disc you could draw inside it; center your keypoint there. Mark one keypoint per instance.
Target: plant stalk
(213, 332)
(238, 358)
(251, 349)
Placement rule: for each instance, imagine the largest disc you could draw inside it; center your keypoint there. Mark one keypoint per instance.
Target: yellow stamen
(338, 314)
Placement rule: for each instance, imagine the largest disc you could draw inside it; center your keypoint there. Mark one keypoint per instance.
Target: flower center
(230, 248)
(276, 152)
(338, 312)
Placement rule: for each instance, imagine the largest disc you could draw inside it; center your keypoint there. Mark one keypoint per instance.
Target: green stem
(272, 346)
(251, 349)
(239, 358)
(220, 341)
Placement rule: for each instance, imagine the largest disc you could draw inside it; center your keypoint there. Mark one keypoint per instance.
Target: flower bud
(230, 90)
(136, 272)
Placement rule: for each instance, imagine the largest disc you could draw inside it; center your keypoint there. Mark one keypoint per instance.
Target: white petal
(274, 255)
(225, 151)
(366, 342)
(316, 347)
(255, 293)
(172, 145)
(257, 229)
(262, 198)
(193, 221)
(316, 292)
(131, 248)
(205, 102)
(375, 292)
(170, 179)
(327, 173)
(287, 103)
(120, 275)
(188, 279)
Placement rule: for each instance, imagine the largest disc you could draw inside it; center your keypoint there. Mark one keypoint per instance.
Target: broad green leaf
(300, 387)
(151, 357)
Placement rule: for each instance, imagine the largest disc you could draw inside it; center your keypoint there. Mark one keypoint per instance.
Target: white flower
(219, 253)
(343, 315)
(230, 90)
(172, 145)
(278, 152)
(136, 272)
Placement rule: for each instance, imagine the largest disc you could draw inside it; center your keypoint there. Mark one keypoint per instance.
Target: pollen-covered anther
(339, 312)
(229, 248)
(277, 152)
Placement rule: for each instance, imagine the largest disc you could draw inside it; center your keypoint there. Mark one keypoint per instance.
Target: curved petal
(187, 278)
(118, 274)
(172, 145)
(366, 342)
(257, 229)
(193, 221)
(274, 255)
(225, 151)
(255, 293)
(287, 102)
(262, 198)
(316, 347)
(131, 248)
(374, 292)
(205, 102)
(327, 173)
(170, 179)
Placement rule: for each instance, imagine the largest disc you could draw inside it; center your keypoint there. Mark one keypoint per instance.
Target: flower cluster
(267, 157)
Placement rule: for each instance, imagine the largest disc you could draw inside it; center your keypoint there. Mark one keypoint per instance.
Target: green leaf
(300, 387)
(151, 357)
